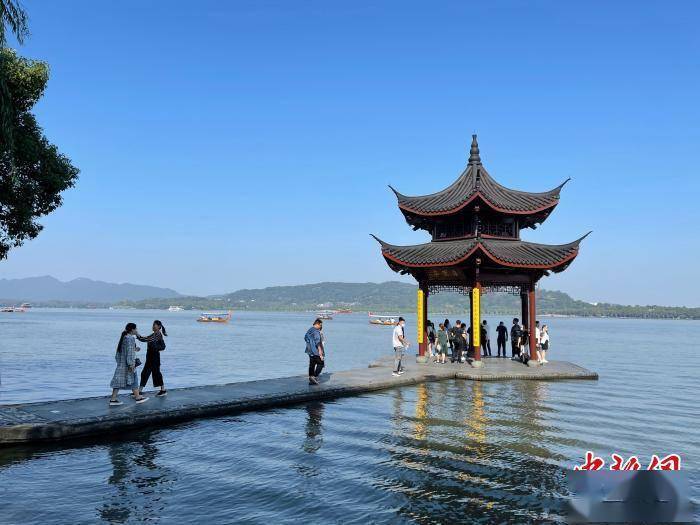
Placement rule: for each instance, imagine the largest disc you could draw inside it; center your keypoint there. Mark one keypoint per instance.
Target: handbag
(159, 344)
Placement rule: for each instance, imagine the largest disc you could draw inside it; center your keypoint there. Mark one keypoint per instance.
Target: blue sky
(225, 145)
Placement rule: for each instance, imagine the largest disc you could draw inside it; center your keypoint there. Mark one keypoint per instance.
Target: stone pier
(56, 420)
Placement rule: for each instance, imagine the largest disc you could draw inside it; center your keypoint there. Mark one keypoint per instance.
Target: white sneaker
(142, 400)
(396, 374)
(115, 402)
(545, 361)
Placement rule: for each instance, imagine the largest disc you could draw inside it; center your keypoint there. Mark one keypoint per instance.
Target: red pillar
(531, 322)
(523, 307)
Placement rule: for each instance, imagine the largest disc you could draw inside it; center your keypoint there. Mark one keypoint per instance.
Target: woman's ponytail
(162, 328)
(128, 328)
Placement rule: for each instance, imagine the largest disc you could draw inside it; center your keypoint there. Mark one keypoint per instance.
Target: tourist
(125, 373)
(430, 332)
(534, 354)
(466, 342)
(155, 345)
(400, 344)
(457, 341)
(525, 341)
(314, 348)
(544, 344)
(442, 344)
(486, 338)
(515, 334)
(448, 326)
(501, 338)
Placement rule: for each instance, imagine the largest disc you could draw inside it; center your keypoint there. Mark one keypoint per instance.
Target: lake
(455, 451)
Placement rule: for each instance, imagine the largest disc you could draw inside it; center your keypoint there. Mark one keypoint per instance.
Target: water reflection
(474, 449)
(138, 482)
(420, 428)
(314, 428)
(475, 421)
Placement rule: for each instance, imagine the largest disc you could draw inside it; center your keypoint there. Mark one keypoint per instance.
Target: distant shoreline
(398, 311)
(391, 297)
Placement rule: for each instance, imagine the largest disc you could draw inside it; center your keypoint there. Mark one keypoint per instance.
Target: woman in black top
(156, 344)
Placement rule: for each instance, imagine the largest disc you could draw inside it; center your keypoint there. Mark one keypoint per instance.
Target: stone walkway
(56, 420)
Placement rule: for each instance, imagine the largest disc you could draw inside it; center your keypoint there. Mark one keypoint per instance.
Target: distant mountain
(48, 289)
(393, 296)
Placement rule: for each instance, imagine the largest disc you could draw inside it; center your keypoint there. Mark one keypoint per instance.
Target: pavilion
(475, 225)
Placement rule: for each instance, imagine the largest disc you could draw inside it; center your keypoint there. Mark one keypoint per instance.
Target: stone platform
(55, 420)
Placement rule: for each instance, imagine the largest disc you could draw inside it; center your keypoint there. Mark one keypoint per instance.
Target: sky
(228, 145)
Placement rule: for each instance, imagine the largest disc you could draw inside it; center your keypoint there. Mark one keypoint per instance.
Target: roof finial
(474, 157)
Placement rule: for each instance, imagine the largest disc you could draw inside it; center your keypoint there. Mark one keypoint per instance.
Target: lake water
(453, 451)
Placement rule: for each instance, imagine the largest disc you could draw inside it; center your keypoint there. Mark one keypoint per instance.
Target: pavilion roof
(475, 182)
(506, 252)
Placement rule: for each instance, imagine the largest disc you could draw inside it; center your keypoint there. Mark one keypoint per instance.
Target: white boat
(175, 309)
(13, 309)
(325, 315)
(384, 320)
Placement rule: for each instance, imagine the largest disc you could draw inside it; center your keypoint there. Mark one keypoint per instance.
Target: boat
(343, 311)
(325, 315)
(26, 306)
(175, 309)
(213, 317)
(383, 320)
(13, 309)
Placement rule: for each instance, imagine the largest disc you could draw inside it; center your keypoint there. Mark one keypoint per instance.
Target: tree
(13, 17)
(33, 173)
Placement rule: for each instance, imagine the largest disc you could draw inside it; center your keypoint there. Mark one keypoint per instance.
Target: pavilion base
(533, 363)
(476, 364)
(422, 359)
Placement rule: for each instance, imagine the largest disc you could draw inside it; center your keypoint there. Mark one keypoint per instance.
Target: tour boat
(13, 309)
(384, 320)
(175, 309)
(343, 311)
(325, 315)
(214, 317)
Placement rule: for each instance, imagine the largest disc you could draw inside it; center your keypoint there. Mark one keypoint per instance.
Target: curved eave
(485, 200)
(472, 193)
(569, 253)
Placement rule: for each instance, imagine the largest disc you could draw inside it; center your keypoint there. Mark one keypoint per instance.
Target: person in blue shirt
(314, 348)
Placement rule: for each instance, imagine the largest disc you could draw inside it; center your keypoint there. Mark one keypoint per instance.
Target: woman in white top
(544, 345)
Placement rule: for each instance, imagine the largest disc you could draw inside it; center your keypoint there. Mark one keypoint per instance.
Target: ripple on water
(453, 451)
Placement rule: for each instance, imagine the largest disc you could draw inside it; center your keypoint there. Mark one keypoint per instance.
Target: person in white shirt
(544, 345)
(400, 344)
(536, 353)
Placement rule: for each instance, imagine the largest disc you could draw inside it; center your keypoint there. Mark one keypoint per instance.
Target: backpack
(515, 332)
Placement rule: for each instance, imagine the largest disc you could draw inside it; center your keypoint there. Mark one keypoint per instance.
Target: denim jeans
(398, 354)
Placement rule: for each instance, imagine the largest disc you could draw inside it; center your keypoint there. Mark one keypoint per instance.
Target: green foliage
(33, 173)
(396, 297)
(15, 18)
(12, 16)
